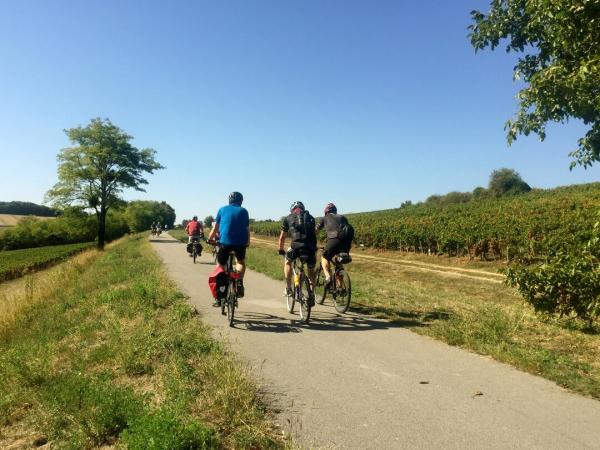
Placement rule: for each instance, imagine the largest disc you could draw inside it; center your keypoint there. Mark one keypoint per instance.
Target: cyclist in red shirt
(195, 231)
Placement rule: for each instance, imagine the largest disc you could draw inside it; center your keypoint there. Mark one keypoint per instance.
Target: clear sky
(363, 103)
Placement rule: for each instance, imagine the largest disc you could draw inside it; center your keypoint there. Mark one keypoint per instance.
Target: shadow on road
(163, 241)
(321, 320)
(401, 318)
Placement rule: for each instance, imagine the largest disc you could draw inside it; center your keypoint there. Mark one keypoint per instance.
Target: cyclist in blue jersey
(232, 225)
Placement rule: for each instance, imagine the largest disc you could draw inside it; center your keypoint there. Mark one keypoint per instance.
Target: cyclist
(195, 231)
(300, 225)
(232, 226)
(153, 227)
(339, 238)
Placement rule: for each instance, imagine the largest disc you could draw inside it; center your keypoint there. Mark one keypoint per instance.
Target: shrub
(567, 285)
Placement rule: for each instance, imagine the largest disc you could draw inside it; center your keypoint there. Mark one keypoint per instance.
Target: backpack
(346, 231)
(301, 226)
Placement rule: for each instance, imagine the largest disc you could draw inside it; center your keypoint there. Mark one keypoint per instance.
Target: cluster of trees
(140, 214)
(26, 209)
(502, 182)
(74, 225)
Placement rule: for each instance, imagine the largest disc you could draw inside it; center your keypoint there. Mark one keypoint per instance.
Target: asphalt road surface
(352, 381)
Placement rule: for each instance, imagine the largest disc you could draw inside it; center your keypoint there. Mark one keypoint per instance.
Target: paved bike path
(352, 381)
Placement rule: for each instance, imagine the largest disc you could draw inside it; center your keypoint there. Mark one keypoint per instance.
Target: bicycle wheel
(304, 293)
(291, 300)
(320, 287)
(231, 301)
(343, 291)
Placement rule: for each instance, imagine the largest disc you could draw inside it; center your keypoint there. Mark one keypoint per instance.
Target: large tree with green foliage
(559, 43)
(96, 170)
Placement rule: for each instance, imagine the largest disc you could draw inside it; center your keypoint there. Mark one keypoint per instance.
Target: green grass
(15, 263)
(180, 235)
(109, 353)
(487, 318)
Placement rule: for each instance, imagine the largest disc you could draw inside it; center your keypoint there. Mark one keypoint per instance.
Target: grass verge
(109, 353)
(487, 318)
(15, 263)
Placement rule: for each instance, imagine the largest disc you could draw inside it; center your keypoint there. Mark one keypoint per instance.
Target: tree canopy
(140, 214)
(507, 182)
(559, 43)
(98, 168)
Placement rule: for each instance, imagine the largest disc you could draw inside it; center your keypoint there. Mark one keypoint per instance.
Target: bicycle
(341, 286)
(230, 302)
(301, 289)
(196, 248)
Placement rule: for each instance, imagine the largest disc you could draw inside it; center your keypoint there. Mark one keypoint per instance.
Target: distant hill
(26, 209)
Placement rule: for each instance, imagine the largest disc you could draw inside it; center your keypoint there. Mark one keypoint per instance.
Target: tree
(479, 192)
(507, 182)
(208, 220)
(141, 213)
(95, 171)
(559, 43)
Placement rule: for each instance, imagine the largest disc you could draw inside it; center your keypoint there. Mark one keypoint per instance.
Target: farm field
(524, 227)
(14, 263)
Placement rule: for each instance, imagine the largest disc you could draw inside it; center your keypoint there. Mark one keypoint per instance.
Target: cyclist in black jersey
(300, 226)
(339, 237)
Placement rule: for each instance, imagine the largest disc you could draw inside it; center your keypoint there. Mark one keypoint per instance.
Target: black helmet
(297, 204)
(235, 198)
(195, 218)
(330, 208)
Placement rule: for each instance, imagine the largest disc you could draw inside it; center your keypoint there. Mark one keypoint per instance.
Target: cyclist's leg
(287, 267)
(310, 264)
(222, 256)
(328, 253)
(312, 275)
(240, 256)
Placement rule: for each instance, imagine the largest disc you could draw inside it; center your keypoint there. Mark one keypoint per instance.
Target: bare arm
(281, 240)
(213, 232)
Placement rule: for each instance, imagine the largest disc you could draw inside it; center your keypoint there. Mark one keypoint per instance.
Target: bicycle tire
(291, 301)
(320, 292)
(231, 300)
(342, 292)
(304, 291)
(194, 254)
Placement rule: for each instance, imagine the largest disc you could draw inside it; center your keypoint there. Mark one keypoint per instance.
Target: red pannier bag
(217, 282)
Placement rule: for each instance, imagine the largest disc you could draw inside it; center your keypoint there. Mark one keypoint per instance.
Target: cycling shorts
(294, 253)
(335, 246)
(224, 250)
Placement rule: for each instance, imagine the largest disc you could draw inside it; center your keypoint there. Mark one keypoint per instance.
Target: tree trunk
(101, 227)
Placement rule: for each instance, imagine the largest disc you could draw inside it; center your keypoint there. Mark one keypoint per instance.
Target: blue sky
(365, 104)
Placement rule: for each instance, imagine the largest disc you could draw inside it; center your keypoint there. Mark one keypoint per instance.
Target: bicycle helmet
(297, 205)
(195, 218)
(235, 198)
(330, 208)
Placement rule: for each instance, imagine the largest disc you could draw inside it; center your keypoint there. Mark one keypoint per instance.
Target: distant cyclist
(300, 226)
(232, 226)
(339, 237)
(195, 231)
